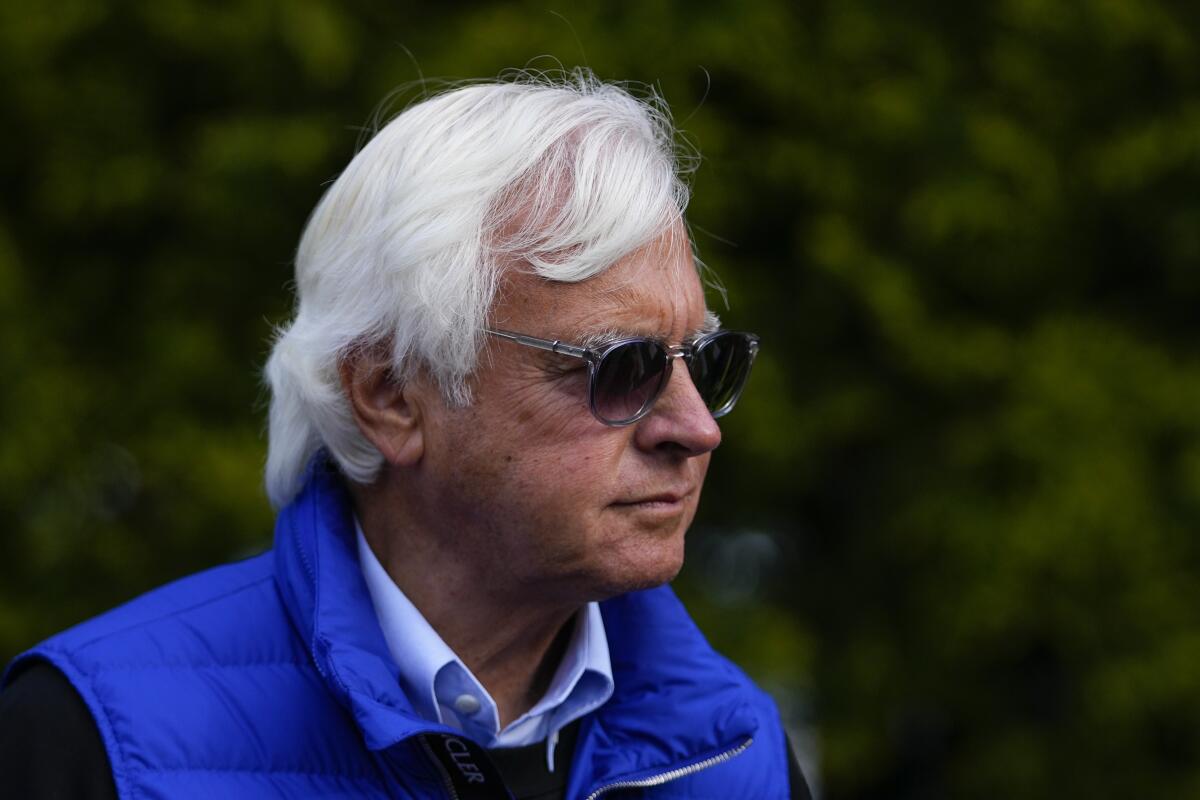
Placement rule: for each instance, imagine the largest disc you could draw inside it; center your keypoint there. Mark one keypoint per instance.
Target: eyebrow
(600, 338)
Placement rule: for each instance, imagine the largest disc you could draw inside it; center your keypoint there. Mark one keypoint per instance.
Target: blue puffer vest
(271, 678)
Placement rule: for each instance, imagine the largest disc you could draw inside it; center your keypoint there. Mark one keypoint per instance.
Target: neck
(510, 640)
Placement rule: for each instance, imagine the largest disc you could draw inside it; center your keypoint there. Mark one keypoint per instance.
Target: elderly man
(490, 422)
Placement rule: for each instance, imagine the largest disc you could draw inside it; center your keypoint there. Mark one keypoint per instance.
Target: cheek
(574, 471)
(544, 422)
(543, 506)
(538, 464)
(546, 411)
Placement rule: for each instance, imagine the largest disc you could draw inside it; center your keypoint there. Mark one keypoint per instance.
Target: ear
(386, 412)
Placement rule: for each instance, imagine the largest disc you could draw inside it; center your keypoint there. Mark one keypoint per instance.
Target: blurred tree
(958, 503)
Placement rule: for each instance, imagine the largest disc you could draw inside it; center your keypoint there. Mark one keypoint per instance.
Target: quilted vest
(271, 678)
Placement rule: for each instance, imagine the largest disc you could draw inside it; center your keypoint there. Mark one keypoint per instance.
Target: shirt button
(466, 704)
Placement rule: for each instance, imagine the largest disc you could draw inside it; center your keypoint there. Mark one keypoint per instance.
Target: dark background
(953, 524)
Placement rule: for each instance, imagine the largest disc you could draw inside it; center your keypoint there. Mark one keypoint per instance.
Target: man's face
(555, 502)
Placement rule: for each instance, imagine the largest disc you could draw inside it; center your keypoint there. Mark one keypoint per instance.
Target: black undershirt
(50, 746)
(524, 768)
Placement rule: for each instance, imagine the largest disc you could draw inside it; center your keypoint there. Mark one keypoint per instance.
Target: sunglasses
(626, 376)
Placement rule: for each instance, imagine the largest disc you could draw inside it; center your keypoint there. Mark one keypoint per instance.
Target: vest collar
(327, 599)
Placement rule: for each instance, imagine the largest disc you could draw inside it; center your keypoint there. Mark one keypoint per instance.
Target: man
(486, 457)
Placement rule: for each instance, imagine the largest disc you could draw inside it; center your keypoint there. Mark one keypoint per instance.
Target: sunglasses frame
(594, 356)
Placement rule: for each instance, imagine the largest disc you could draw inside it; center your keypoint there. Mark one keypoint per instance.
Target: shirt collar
(434, 678)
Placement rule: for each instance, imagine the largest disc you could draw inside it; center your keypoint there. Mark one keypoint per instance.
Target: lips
(668, 497)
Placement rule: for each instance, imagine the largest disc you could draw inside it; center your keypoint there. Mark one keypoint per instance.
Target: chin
(651, 569)
(649, 581)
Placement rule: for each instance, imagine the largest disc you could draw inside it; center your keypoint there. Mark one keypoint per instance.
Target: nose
(680, 420)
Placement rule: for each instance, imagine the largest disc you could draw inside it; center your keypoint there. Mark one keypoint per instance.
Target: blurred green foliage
(953, 524)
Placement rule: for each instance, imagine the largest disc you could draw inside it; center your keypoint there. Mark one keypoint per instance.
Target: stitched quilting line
(178, 611)
(359, 778)
(183, 667)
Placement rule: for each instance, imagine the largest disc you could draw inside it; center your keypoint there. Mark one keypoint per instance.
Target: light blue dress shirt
(442, 689)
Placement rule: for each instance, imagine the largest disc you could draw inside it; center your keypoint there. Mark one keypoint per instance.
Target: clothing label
(467, 766)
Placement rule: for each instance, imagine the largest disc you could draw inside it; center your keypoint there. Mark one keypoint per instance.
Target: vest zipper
(675, 774)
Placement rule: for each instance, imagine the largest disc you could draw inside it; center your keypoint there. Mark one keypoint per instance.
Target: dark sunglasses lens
(720, 368)
(628, 379)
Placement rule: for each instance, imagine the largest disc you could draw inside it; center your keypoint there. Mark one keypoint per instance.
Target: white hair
(404, 250)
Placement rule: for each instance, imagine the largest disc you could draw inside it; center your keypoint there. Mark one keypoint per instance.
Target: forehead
(654, 290)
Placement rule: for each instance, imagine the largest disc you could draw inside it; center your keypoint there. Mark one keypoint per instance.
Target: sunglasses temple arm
(554, 346)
